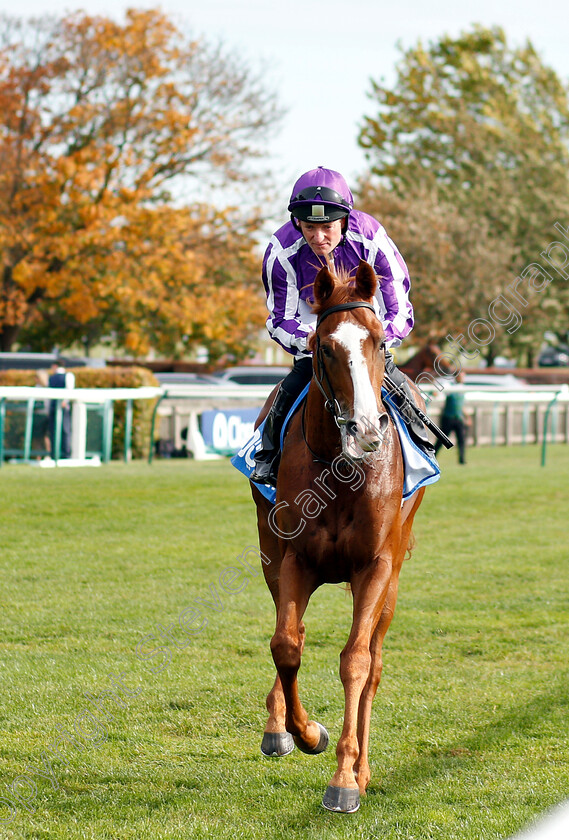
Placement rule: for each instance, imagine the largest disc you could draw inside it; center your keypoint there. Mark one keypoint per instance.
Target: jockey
(324, 229)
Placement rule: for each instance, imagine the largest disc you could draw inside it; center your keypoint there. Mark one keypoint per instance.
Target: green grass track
(470, 729)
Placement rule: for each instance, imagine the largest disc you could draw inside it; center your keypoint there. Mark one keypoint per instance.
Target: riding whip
(424, 418)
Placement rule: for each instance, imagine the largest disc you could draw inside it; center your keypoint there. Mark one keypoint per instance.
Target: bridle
(330, 402)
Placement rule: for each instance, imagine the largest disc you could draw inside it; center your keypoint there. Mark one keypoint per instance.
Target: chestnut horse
(338, 518)
(424, 362)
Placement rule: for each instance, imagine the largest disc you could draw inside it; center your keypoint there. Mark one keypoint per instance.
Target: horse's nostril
(352, 428)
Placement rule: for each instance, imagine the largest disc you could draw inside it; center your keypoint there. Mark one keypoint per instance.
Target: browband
(355, 304)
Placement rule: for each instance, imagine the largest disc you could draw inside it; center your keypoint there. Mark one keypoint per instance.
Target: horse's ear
(366, 281)
(323, 285)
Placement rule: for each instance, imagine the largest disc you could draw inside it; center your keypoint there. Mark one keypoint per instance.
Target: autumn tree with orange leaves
(105, 131)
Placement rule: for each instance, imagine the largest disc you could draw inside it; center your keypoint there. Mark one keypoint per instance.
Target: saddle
(420, 469)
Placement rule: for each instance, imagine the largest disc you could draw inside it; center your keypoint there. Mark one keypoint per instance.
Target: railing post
(550, 406)
(29, 427)
(495, 409)
(128, 430)
(525, 422)
(78, 430)
(507, 424)
(56, 454)
(108, 415)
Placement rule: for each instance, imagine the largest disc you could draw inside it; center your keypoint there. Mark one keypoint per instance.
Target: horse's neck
(320, 428)
(417, 364)
(414, 368)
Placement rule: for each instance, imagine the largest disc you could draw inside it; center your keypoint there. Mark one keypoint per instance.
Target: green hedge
(109, 377)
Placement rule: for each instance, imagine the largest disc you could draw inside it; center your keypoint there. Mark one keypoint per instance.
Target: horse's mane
(343, 292)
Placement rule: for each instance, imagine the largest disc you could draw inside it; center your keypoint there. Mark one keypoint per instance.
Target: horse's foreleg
(276, 740)
(276, 705)
(370, 592)
(361, 767)
(287, 644)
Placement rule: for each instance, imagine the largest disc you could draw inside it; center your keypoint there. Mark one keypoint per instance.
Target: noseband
(331, 403)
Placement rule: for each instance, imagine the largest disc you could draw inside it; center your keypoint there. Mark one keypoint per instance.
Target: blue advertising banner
(225, 432)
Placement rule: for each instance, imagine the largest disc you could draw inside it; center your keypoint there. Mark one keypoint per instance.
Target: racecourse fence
(91, 422)
(209, 421)
(517, 417)
(535, 414)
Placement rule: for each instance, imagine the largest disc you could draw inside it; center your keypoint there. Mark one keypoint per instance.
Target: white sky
(320, 55)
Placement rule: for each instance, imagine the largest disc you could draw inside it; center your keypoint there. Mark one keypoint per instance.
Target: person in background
(60, 378)
(453, 419)
(324, 229)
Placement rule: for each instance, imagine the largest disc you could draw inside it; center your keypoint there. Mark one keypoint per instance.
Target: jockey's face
(322, 237)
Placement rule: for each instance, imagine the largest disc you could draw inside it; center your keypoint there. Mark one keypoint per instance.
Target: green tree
(446, 253)
(484, 128)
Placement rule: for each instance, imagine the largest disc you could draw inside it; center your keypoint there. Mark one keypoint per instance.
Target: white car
(175, 378)
(487, 380)
(253, 374)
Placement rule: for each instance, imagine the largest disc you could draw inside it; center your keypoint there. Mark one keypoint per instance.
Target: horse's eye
(326, 351)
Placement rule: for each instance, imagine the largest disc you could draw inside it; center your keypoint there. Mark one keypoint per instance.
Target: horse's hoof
(341, 800)
(277, 744)
(320, 746)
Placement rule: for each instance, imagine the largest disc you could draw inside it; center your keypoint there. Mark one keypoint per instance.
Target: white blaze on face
(351, 337)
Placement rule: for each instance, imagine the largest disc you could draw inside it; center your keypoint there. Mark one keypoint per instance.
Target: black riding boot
(268, 457)
(416, 428)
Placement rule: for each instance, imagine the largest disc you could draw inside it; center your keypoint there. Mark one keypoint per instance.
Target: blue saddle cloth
(420, 470)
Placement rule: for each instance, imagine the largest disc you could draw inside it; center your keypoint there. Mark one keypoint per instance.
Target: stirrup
(267, 459)
(422, 442)
(265, 472)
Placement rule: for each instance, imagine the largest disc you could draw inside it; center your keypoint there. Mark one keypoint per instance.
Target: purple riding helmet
(320, 195)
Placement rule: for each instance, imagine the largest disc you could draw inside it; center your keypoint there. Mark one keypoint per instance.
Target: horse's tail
(410, 546)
